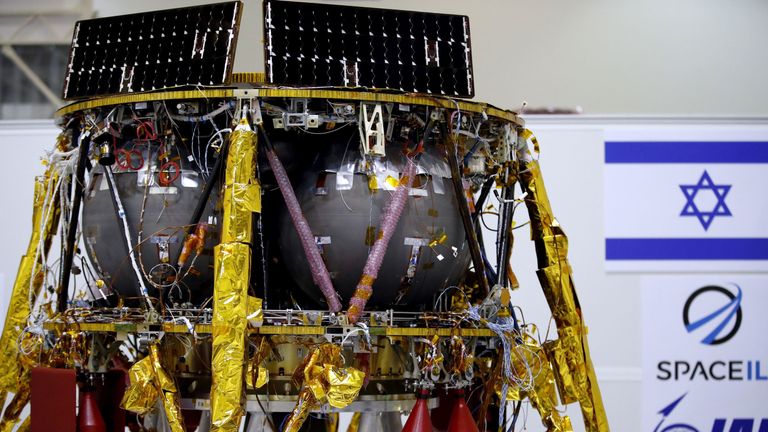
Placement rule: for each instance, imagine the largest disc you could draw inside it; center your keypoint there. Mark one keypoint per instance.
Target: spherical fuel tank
(343, 196)
(157, 203)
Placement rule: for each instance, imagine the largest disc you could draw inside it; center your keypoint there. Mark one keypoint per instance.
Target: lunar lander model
(266, 251)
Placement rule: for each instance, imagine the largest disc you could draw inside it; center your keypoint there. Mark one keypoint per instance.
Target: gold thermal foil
(241, 194)
(323, 380)
(70, 351)
(143, 391)
(344, 385)
(247, 196)
(300, 412)
(263, 348)
(566, 426)
(172, 407)
(26, 425)
(256, 376)
(232, 268)
(566, 355)
(255, 315)
(29, 273)
(250, 375)
(526, 134)
(558, 289)
(541, 392)
(574, 371)
(332, 422)
(311, 367)
(316, 384)
(537, 201)
(22, 390)
(514, 393)
(354, 424)
(236, 225)
(594, 414)
(543, 397)
(17, 404)
(326, 354)
(171, 400)
(262, 377)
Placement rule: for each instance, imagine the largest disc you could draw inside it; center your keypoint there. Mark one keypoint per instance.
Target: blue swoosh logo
(733, 306)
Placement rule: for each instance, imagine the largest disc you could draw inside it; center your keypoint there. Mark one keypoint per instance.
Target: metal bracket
(249, 98)
(372, 131)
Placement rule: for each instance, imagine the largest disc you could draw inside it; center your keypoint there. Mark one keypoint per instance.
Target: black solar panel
(311, 44)
(153, 50)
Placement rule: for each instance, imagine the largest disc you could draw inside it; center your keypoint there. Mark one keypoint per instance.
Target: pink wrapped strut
(316, 264)
(388, 223)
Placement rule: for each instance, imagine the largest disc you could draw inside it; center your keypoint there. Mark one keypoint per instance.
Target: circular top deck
(248, 86)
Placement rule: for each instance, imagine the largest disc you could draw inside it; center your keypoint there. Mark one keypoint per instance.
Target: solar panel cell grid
(153, 50)
(328, 45)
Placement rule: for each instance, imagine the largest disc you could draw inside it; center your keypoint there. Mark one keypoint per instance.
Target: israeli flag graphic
(686, 204)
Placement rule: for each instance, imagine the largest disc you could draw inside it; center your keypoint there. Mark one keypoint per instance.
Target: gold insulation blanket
(323, 379)
(17, 404)
(258, 375)
(532, 368)
(569, 355)
(149, 380)
(232, 269)
(26, 425)
(142, 393)
(171, 400)
(543, 396)
(29, 277)
(242, 193)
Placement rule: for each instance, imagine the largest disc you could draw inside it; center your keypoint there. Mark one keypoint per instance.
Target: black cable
(69, 245)
(515, 415)
(203, 201)
(484, 192)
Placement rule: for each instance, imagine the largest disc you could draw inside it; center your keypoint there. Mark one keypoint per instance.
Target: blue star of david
(705, 217)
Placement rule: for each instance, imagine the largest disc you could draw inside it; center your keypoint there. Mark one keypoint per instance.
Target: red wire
(127, 161)
(164, 177)
(145, 132)
(416, 150)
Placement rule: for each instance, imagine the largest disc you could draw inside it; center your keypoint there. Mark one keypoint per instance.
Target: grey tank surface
(168, 209)
(427, 252)
(341, 195)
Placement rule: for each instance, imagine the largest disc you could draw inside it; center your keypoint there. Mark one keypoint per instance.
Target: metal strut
(69, 246)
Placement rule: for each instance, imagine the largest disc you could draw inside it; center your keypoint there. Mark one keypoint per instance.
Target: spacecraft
(287, 250)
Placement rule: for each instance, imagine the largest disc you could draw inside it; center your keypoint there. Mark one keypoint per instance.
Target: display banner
(705, 353)
(686, 203)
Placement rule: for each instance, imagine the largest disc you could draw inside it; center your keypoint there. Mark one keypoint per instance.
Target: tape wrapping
(232, 268)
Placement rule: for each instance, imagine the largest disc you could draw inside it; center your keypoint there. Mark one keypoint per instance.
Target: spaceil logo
(667, 422)
(713, 314)
(723, 317)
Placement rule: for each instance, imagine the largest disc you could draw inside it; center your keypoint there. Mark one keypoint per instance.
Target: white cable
(127, 233)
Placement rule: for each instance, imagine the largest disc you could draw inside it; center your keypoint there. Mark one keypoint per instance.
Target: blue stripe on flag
(686, 152)
(686, 249)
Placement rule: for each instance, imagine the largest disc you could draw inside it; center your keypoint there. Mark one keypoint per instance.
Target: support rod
(212, 180)
(84, 143)
(466, 217)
